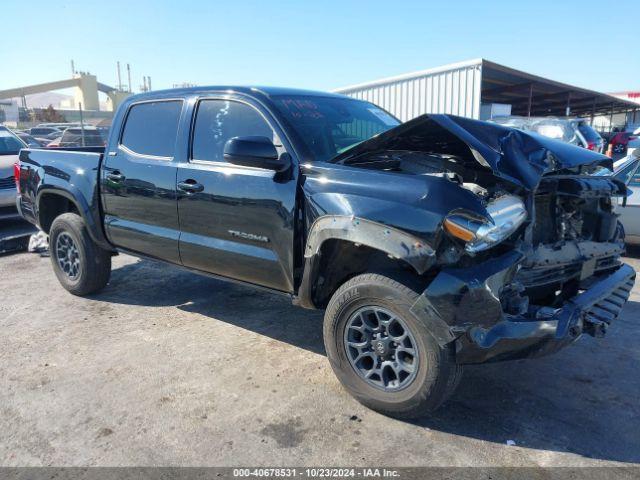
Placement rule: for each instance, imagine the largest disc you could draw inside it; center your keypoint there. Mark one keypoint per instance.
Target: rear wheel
(382, 353)
(82, 267)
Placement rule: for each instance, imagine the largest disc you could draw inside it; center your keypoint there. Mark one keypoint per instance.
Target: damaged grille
(544, 227)
(569, 208)
(542, 276)
(574, 235)
(535, 277)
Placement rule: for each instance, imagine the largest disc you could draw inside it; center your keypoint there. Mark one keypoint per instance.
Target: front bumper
(471, 316)
(519, 337)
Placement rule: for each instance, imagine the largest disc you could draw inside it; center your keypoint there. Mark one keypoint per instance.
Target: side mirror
(259, 152)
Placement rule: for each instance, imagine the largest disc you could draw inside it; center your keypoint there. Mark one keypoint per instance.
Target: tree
(50, 115)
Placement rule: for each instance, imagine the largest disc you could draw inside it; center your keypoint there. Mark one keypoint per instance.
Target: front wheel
(82, 267)
(382, 353)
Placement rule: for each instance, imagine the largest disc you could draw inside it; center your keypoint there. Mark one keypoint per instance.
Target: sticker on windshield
(384, 116)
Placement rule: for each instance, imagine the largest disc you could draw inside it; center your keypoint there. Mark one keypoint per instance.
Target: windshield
(330, 125)
(9, 144)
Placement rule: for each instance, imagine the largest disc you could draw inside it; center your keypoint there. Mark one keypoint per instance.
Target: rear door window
(151, 128)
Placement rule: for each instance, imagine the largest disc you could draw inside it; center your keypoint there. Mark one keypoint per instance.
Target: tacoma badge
(249, 236)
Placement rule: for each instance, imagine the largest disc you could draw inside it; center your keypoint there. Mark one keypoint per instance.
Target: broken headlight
(506, 214)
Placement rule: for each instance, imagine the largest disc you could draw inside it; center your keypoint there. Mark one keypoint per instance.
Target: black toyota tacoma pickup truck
(431, 244)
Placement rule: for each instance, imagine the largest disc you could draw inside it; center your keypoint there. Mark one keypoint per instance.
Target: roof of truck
(249, 90)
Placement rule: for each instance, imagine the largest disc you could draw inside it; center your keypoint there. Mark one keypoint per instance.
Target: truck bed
(73, 172)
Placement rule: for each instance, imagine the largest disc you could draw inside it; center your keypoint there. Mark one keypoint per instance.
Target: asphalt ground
(165, 367)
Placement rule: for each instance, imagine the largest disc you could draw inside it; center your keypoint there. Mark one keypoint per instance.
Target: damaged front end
(539, 263)
(486, 311)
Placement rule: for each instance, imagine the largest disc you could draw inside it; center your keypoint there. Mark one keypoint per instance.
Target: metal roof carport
(531, 95)
(461, 88)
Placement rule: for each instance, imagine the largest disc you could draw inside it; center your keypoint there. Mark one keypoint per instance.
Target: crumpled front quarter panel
(415, 204)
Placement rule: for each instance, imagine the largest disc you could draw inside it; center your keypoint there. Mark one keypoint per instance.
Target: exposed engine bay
(513, 236)
(566, 229)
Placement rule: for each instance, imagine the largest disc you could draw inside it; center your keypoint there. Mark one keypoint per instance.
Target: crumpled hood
(513, 155)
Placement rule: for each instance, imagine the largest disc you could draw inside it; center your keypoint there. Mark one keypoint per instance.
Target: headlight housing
(506, 214)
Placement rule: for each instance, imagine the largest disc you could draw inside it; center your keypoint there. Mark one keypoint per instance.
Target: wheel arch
(340, 246)
(53, 202)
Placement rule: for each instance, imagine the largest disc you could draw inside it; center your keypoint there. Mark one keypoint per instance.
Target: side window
(151, 128)
(219, 120)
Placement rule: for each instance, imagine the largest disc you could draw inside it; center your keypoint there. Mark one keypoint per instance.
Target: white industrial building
(483, 89)
(9, 113)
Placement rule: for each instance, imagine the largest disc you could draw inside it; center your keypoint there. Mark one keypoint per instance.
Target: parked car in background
(626, 169)
(30, 141)
(82, 137)
(54, 143)
(46, 140)
(619, 141)
(60, 126)
(633, 144)
(54, 135)
(104, 131)
(43, 131)
(10, 146)
(571, 130)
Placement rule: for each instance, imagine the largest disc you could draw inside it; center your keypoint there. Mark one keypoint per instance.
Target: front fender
(393, 242)
(359, 231)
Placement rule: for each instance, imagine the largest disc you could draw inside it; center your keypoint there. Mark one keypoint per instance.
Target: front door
(139, 181)
(235, 221)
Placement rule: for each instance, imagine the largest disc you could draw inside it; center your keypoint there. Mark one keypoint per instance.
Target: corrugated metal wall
(454, 89)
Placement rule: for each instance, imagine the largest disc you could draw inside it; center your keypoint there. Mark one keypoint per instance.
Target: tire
(619, 148)
(436, 376)
(93, 265)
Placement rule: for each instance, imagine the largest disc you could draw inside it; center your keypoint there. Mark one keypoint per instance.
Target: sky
(316, 44)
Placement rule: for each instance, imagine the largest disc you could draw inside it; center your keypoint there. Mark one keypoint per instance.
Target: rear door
(237, 221)
(139, 180)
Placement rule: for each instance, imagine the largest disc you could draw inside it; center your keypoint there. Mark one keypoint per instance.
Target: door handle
(115, 176)
(190, 186)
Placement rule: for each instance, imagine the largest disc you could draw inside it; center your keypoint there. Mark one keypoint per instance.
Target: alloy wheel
(381, 348)
(68, 256)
